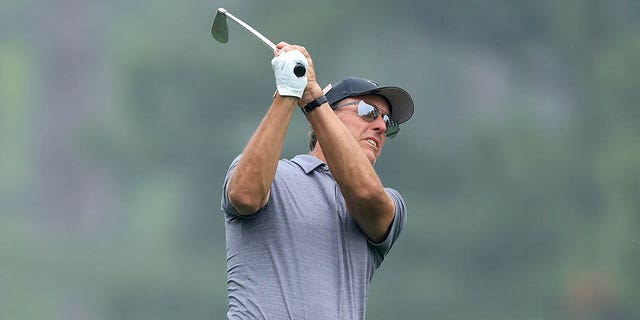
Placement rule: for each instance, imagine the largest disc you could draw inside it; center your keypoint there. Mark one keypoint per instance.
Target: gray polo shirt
(302, 256)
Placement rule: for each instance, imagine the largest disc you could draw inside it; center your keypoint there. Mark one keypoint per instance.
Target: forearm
(367, 201)
(250, 183)
(349, 166)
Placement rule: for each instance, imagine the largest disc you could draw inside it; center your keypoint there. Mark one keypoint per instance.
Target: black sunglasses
(370, 113)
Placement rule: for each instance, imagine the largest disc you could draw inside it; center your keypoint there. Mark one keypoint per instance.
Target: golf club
(220, 31)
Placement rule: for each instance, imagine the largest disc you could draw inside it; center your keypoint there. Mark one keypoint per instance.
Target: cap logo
(373, 83)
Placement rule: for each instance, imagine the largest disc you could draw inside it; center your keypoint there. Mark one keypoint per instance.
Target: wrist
(314, 104)
(312, 92)
(287, 99)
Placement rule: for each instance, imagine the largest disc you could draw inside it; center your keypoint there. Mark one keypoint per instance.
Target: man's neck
(317, 152)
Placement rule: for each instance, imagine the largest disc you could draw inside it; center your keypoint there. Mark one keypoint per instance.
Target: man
(305, 235)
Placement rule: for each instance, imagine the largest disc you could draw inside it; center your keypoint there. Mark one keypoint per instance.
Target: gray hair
(312, 140)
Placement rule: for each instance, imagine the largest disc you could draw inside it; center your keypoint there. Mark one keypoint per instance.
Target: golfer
(304, 236)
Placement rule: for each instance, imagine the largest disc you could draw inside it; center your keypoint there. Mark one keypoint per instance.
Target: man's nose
(379, 125)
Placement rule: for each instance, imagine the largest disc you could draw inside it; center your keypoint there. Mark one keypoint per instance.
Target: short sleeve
(397, 225)
(225, 204)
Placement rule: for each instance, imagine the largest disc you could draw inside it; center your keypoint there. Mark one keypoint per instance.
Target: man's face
(369, 135)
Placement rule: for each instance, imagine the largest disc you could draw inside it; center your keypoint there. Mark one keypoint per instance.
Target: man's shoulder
(307, 163)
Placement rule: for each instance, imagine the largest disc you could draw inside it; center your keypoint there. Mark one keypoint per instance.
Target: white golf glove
(287, 82)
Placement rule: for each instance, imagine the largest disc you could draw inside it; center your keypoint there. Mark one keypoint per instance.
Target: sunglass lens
(392, 131)
(392, 126)
(371, 113)
(367, 112)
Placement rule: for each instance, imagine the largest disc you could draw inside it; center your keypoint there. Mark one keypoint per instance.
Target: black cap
(400, 101)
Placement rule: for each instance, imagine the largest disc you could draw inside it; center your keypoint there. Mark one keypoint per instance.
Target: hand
(287, 82)
(312, 90)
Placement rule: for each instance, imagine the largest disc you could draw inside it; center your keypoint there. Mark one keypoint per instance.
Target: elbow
(370, 194)
(245, 202)
(374, 201)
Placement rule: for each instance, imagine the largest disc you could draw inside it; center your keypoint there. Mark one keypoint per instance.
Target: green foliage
(15, 74)
(520, 166)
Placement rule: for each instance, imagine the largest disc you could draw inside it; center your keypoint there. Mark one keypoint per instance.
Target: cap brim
(400, 101)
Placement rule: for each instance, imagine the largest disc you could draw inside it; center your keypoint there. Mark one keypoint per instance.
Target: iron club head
(219, 29)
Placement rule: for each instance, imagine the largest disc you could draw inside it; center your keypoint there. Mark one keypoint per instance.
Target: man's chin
(372, 157)
(370, 153)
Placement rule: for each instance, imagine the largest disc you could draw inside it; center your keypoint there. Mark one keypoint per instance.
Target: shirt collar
(307, 162)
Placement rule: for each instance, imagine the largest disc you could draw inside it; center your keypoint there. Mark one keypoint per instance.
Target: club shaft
(253, 31)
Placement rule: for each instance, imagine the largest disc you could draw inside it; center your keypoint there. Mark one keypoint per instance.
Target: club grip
(299, 70)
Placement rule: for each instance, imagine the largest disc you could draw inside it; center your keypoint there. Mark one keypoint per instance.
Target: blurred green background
(520, 167)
